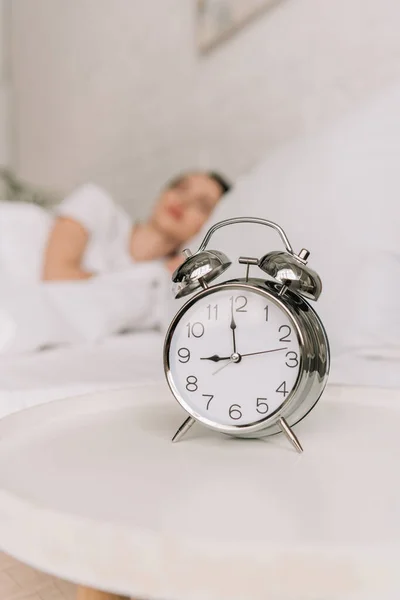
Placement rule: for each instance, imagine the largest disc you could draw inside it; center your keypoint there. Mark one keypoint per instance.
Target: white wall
(114, 91)
(5, 113)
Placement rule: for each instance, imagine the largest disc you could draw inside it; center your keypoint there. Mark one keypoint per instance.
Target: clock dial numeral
(286, 336)
(191, 383)
(262, 406)
(210, 396)
(224, 390)
(184, 355)
(196, 330)
(282, 389)
(235, 412)
(212, 312)
(292, 359)
(239, 303)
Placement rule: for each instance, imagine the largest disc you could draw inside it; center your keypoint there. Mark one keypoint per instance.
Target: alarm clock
(247, 357)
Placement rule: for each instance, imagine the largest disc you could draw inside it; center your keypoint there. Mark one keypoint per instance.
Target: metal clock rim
(272, 418)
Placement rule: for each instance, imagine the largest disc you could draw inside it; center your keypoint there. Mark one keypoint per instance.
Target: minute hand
(216, 358)
(233, 327)
(264, 352)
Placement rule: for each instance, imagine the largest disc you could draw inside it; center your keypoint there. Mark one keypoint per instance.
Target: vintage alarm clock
(247, 357)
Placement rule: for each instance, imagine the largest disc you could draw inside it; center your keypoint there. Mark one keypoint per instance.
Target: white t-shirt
(143, 284)
(108, 225)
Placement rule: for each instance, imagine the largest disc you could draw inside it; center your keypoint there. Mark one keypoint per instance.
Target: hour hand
(216, 358)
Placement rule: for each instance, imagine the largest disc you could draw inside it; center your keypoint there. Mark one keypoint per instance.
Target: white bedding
(119, 362)
(353, 370)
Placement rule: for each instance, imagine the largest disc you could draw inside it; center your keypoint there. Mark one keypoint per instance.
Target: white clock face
(234, 357)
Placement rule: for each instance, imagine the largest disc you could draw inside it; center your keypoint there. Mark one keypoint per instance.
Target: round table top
(93, 490)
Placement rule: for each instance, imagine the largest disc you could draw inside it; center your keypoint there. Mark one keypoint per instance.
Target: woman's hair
(221, 180)
(214, 175)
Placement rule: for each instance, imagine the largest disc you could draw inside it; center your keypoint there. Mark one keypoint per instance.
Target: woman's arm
(64, 252)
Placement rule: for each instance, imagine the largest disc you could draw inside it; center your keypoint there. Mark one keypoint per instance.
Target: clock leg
(291, 436)
(186, 425)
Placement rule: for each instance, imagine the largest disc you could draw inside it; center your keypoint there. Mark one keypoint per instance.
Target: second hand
(223, 366)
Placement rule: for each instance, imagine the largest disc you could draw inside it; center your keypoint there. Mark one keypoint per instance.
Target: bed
(335, 192)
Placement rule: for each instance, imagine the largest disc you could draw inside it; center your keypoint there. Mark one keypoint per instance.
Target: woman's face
(183, 209)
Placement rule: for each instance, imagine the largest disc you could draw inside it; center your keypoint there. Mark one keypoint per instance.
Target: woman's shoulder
(88, 195)
(90, 205)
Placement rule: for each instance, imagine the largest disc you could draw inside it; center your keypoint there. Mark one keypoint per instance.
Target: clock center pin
(236, 358)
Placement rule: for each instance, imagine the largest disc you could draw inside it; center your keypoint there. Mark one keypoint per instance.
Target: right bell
(293, 272)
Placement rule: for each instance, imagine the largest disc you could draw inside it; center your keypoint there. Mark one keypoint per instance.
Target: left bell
(198, 270)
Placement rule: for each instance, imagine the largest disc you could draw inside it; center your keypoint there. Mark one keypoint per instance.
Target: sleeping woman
(92, 235)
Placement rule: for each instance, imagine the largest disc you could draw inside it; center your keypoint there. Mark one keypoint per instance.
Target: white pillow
(29, 320)
(24, 229)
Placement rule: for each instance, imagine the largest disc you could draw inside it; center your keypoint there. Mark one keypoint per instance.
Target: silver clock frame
(314, 360)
